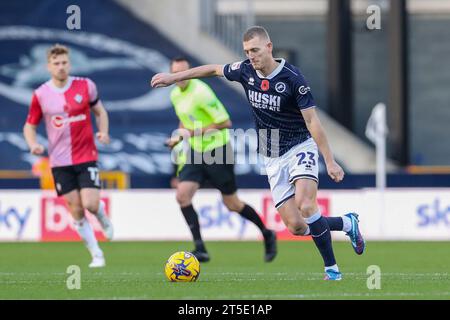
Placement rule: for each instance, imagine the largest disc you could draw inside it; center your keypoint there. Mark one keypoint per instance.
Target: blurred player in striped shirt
(65, 104)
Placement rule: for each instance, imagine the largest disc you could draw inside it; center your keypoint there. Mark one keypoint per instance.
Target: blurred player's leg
(185, 193)
(90, 199)
(84, 228)
(305, 199)
(233, 203)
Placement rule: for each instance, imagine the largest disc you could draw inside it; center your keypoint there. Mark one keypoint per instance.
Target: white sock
(307, 232)
(87, 234)
(101, 215)
(347, 222)
(333, 267)
(101, 209)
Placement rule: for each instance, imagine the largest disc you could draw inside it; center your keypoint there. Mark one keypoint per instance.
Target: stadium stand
(120, 54)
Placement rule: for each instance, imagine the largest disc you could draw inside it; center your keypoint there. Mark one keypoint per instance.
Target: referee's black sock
(250, 214)
(190, 215)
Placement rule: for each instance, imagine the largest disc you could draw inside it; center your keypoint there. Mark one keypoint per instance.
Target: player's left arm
(213, 126)
(217, 126)
(101, 118)
(318, 133)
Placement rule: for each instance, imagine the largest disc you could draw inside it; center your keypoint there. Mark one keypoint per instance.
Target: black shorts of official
(76, 177)
(219, 175)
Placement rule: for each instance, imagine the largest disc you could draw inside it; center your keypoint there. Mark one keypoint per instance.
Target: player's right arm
(166, 79)
(30, 127)
(306, 104)
(318, 134)
(29, 132)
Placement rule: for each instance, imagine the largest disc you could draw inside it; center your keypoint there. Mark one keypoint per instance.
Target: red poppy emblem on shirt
(265, 85)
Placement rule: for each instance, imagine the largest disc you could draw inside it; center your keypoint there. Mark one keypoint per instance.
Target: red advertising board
(57, 222)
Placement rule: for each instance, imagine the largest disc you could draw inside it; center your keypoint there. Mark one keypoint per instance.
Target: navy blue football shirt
(276, 102)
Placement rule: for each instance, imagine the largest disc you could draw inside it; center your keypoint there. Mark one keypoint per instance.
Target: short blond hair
(256, 31)
(57, 50)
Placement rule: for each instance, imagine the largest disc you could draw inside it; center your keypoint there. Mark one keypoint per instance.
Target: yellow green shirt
(198, 107)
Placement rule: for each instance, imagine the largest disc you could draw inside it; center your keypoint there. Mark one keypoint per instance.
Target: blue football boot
(355, 235)
(333, 275)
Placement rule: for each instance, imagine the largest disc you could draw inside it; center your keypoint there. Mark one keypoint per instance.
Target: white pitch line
(337, 295)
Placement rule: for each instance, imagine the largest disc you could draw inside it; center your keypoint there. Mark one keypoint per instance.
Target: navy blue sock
(320, 232)
(335, 223)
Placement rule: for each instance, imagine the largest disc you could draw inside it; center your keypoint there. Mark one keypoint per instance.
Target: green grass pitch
(409, 270)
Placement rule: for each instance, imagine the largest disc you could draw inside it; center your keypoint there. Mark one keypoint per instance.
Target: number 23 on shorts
(306, 158)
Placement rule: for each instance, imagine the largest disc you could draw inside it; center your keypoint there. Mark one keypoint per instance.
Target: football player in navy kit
(290, 136)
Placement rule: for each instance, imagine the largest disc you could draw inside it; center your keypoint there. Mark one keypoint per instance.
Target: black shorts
(76, 177)
(217, 175)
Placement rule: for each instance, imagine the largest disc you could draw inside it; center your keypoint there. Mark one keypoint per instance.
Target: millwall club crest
(265, 85)
(280, 87)
(78, 98)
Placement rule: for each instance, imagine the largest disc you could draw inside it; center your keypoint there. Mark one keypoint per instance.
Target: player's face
(179, 66)
(59, 66)
(259, 51)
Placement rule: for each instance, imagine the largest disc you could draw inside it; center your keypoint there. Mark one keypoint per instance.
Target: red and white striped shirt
(66, 112)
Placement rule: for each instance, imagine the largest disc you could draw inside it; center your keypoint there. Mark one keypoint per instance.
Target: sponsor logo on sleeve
(303, 90)
(236, 65)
